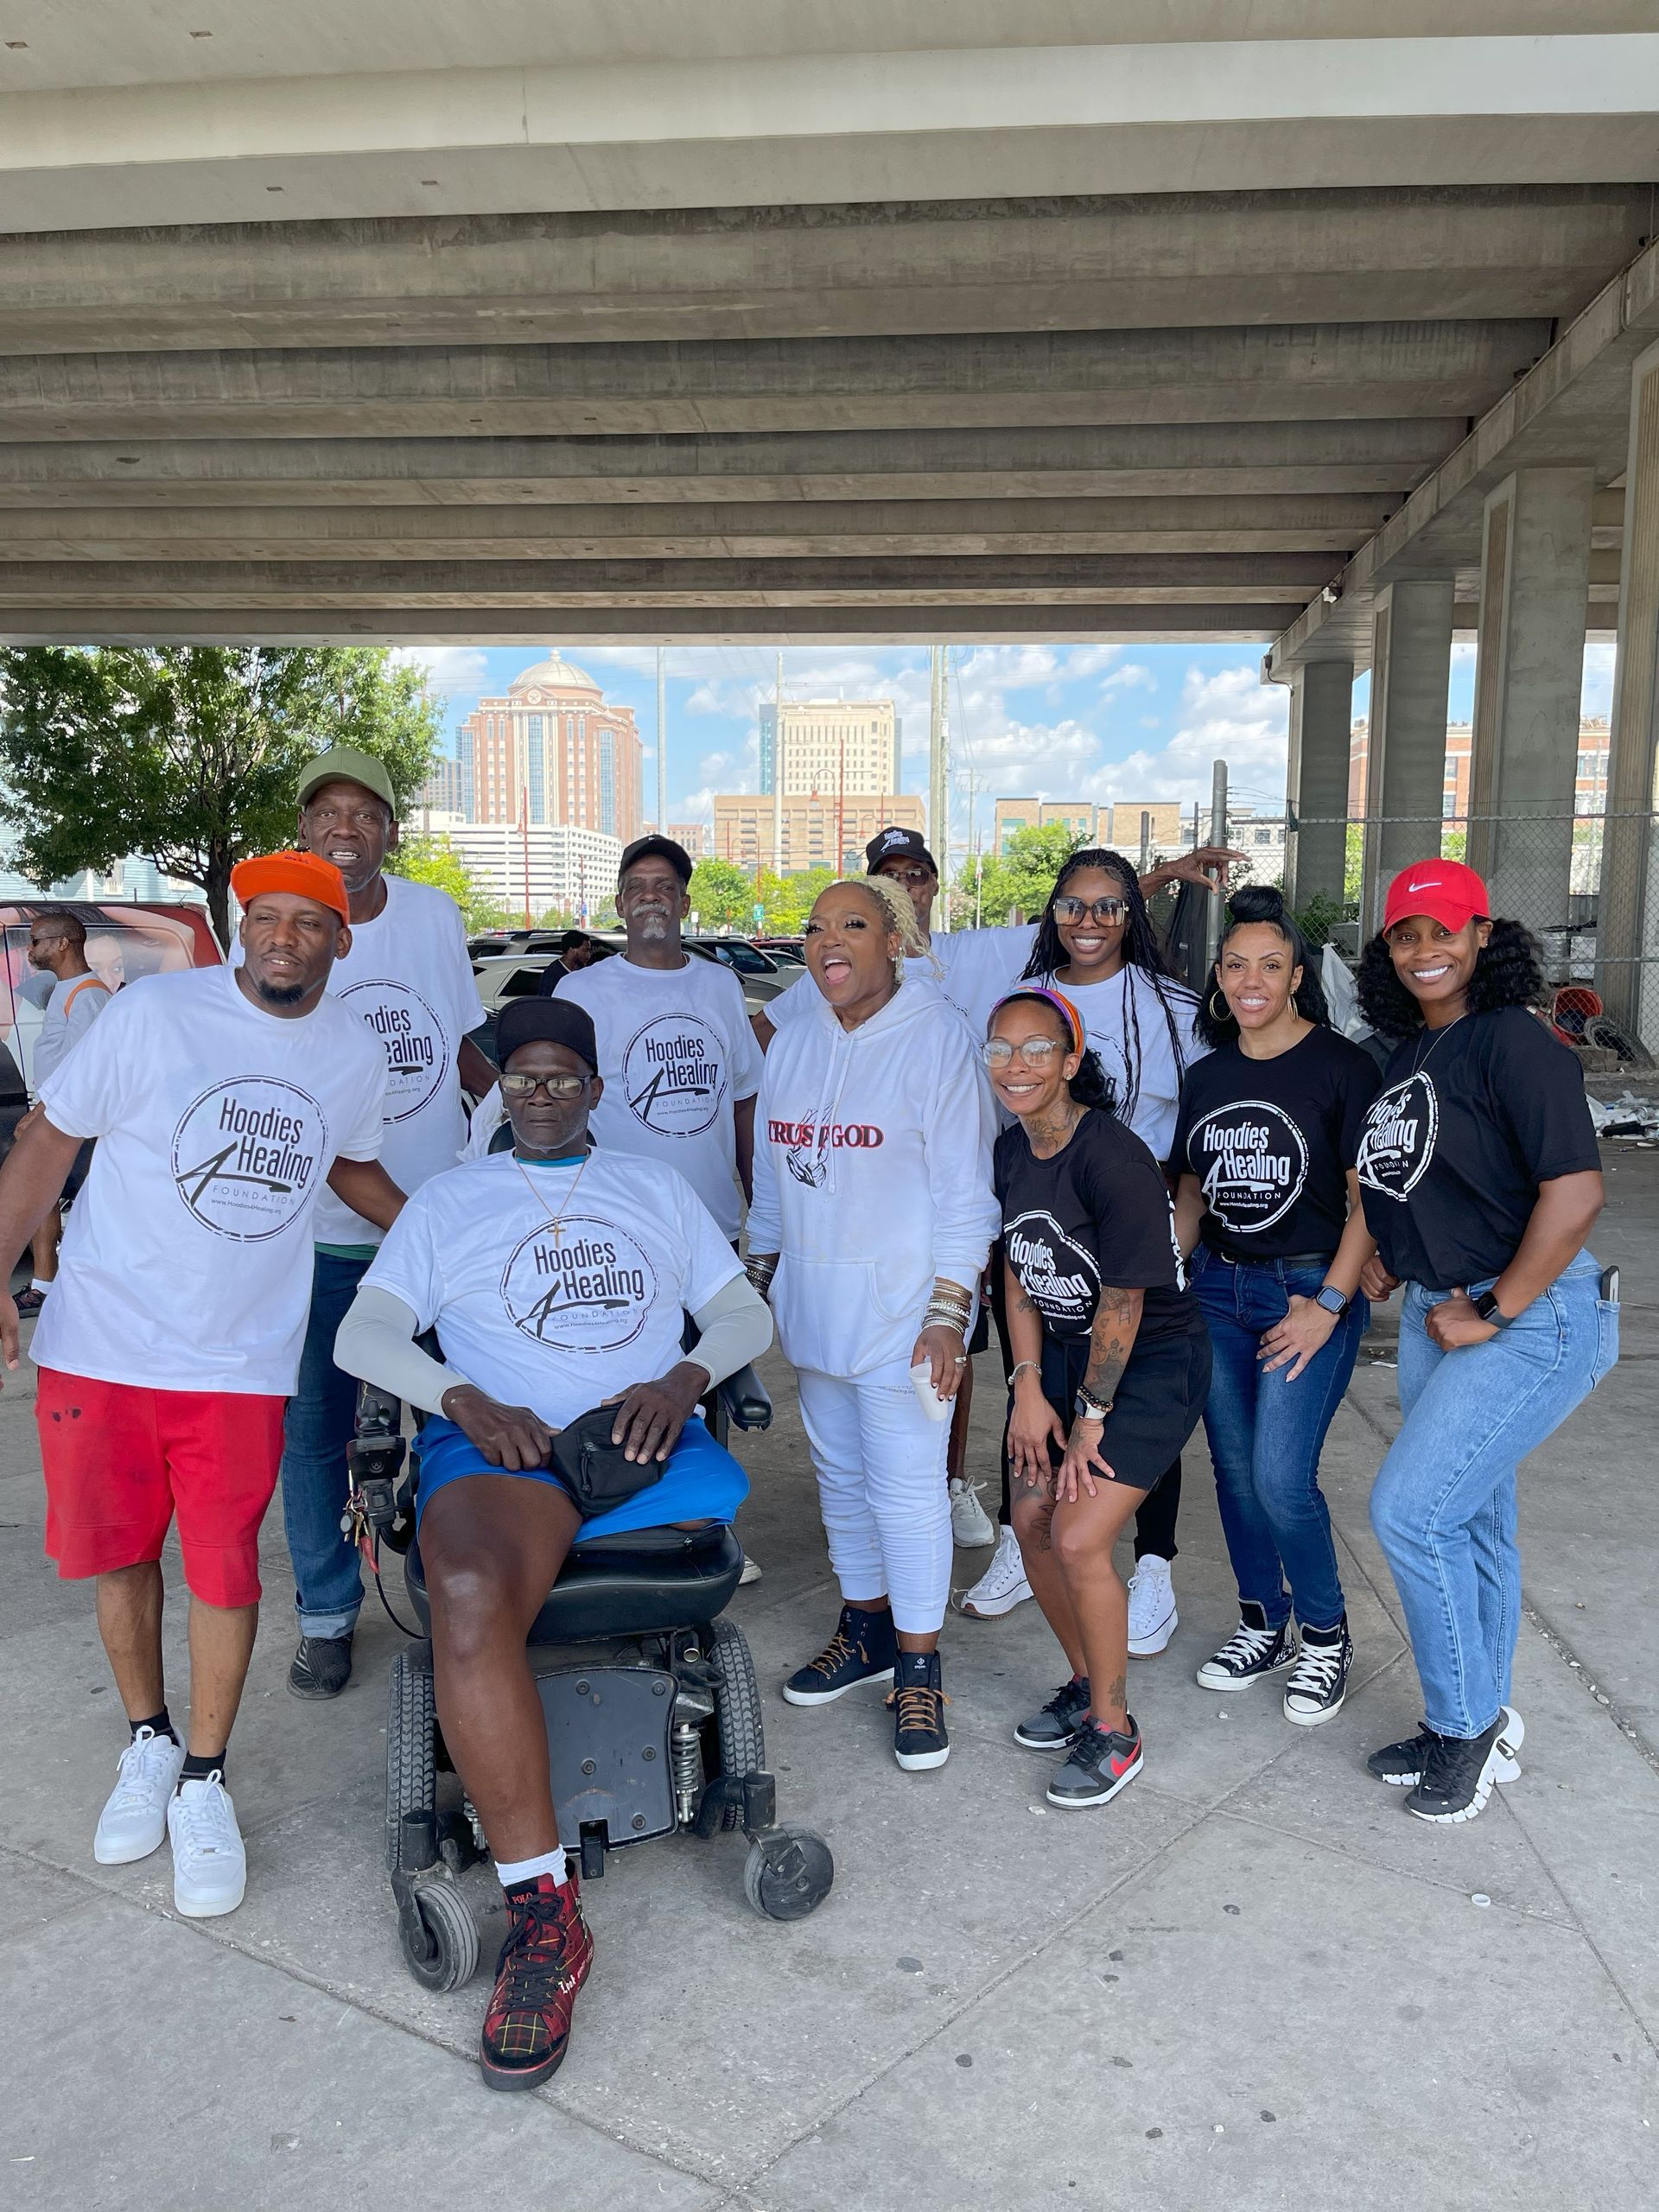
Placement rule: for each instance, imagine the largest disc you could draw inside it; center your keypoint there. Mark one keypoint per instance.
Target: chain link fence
(1587, 885)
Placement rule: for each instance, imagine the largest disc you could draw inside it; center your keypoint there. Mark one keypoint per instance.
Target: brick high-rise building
(554, 750)
(831, 745)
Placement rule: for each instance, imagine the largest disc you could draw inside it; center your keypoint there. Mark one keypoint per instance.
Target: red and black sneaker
(543, 1963)
(1102, 1763)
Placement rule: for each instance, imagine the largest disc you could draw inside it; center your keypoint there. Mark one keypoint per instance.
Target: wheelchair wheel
(411, 1727)
(450, 1954)
(788, 1873)
(740, 1733)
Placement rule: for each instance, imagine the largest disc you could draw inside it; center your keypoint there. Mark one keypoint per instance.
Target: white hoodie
(872, 1176)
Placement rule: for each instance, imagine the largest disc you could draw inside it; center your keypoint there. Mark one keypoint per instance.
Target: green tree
(435, 861)
(722, 893)
(788, 899)
(189, 755)
(1019, 879)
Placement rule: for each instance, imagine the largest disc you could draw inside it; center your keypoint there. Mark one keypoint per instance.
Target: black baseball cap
(560, 1022)
(897, 844)
(665, 849)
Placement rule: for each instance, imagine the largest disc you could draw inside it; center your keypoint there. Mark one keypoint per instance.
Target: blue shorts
(700, 1480)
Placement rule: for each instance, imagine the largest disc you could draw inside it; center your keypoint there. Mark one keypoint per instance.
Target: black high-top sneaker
(1318, 1681)
(919, 1739)
(861, 1650)
(1252, 1650)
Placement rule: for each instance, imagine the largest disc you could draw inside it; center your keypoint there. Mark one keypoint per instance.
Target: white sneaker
(134, 1818)
(751, 1572)
(210, 1867)
(1003, 1585)
(970, 1525)
(1152, 1617)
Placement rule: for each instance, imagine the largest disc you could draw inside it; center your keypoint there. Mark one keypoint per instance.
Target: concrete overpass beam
(1321, 719)
(1627, 916)
(1535, 586)
(1411, 673)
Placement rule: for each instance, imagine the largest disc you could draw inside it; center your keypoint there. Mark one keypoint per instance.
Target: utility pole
(939, 804)
(1218, 837)
(777, 770)
(662, 748)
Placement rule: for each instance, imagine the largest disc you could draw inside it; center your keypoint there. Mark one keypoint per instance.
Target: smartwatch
(1331, 1300)
(1486, 1306)
(1089, 1407)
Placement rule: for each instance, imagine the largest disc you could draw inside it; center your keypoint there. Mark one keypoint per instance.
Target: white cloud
(449, 669)
(1230, 716)
(1132, 676)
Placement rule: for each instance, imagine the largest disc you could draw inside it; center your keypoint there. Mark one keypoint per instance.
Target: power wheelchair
(654, 1716)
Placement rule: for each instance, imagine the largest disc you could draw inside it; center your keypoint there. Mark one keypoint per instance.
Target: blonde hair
(897, 914)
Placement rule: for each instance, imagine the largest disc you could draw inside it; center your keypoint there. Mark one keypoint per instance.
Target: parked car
(518, 974)
(785, 951)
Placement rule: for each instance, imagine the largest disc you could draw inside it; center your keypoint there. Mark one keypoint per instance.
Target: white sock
(511, 1872)
(34, 1283)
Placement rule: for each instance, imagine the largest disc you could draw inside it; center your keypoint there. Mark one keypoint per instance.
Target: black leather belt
(1282, 1259)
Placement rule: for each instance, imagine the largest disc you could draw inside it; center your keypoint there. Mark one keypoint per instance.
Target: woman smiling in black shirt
(1111, 1365)
(1481, 1180)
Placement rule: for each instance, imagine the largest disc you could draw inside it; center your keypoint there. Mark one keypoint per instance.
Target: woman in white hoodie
(871, 1217)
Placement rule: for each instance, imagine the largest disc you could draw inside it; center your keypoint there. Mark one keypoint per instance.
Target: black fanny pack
(595, 1471)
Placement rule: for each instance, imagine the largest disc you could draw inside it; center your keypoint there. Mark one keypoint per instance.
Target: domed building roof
(553, 674)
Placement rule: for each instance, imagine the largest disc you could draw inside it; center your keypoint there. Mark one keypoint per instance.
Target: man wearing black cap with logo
(558, 1278)
(409, 978)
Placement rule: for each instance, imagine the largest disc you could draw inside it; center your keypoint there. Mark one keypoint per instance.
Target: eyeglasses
(1036, 1052)
(524, 1087)
(1067, 909)
(908, 876)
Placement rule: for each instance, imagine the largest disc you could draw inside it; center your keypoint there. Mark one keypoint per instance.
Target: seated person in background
(558, 1279)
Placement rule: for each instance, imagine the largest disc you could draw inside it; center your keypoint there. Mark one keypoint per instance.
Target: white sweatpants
(881, 1467)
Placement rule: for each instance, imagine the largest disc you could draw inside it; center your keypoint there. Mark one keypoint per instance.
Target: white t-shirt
(187, 1262)
(74, 1006)
(410, 977)
(676, 1052)
(1126, 1024)
(551, 1296)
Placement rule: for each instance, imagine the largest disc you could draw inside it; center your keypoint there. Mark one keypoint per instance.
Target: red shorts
(121, 1461)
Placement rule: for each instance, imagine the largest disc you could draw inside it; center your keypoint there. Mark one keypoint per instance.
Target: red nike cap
(1446, 891)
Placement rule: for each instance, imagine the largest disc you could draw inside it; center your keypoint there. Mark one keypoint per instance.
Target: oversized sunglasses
(1067, 909)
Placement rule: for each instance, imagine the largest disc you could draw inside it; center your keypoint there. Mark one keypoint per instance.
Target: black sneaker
(1252, 1650)
(322, 1666)
(1401, 1765)
(1102, 1763)
(1060, 1722)
(860, 1650)
(1457, 1777)
(919, 1739)
(1318, 1681)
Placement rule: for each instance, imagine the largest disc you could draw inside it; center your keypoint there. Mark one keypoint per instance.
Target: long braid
(1141, 949)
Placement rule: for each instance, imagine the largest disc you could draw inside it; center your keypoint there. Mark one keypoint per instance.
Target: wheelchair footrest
(607, 1738)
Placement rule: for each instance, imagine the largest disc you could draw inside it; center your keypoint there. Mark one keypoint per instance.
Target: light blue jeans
(1444, 1504)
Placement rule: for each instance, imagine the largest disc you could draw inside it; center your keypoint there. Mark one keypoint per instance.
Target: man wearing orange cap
(223, 1100)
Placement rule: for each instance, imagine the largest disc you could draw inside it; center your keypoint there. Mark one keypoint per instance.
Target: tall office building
(830, 745)
(553, 750)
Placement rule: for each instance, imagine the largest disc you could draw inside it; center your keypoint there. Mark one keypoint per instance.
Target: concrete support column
(1627, 915)
(1535, 586)
(1405, 768)
(1321, 721)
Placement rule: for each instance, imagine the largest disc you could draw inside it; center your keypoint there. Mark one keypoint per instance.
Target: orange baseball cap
(1446, 891)
(305, 874)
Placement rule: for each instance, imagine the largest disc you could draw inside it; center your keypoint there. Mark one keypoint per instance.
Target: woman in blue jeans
(1265, 1147)
(1481, 1179)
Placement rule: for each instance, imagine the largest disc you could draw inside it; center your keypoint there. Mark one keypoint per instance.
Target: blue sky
(1104, 722)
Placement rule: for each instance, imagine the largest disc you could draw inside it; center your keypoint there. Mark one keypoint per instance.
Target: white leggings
(881, 1467)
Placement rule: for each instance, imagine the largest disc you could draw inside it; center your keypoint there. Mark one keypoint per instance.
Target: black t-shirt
(1271, 1142)
(1098, 1213)
(1469, 1122)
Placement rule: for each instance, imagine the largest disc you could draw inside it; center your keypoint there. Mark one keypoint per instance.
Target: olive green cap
(347, 763)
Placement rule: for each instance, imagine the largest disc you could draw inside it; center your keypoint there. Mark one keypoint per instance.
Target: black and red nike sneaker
(1102, 1763)
(543, 1962)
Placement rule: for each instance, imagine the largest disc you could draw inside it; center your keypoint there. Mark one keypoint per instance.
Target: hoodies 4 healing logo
(673, 1075)
(245, 1156)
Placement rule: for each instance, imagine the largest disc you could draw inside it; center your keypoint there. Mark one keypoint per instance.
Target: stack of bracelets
(950, 1307)
(760, 1268)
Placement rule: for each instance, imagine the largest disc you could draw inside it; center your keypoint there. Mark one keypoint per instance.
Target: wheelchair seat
(643, 1582)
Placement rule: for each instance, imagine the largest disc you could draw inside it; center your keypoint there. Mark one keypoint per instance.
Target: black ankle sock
(158, 1722)
(198, 1765)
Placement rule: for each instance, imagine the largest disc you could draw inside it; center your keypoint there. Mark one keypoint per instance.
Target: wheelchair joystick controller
(374, 1459)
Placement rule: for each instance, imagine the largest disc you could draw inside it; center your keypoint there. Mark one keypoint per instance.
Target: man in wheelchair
(558, 1279)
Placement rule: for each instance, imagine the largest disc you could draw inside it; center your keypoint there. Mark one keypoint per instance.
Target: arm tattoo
(1111, 1338)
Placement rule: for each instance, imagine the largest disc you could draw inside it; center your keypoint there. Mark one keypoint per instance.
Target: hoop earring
(1226, 1014)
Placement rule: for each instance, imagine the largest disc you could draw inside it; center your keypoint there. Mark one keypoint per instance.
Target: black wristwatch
(1331, 1300)
(1486, 1306)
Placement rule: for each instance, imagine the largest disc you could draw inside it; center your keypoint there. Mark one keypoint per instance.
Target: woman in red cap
(1481, 1179)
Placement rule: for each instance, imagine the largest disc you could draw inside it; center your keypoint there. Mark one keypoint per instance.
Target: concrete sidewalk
(1252, 1982)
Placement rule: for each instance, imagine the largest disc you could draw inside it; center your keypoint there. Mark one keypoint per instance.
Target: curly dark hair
(1091, 1085)
(1509, 972)
(1141, 949)
(1259, 903)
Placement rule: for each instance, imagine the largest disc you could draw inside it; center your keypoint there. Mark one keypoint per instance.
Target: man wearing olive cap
(224, 1100)
(408, 977)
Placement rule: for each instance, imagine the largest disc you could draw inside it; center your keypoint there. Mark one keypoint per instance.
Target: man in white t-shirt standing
(57, 947)
(409, 977)
(222, 1099)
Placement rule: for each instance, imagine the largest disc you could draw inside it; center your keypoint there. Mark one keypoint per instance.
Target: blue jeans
(1266, 1433)
(1444, 1506)
(328, 1587)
